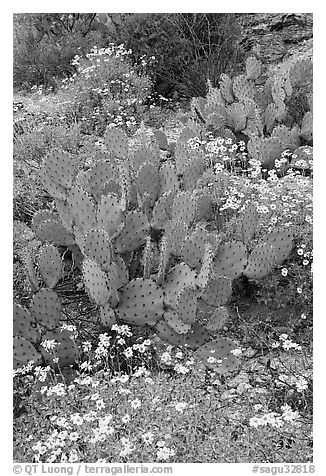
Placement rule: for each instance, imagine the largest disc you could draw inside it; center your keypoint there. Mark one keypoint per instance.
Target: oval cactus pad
(218, 291)
(167, 334)
(116, 142)
(193, 247)
(24, 352)
(96, 282)
(186, 305)
(46, 308)
(54, 232)
(24, 325)
(184, 207)
(179, 277)
(217, 355)
(134, 233)
(168, 178)
(97, 246)
(261, 261)
(282, 242)
(147, 181)
(175, 233)
(172, 318)
(65, 351)
(230, 260)
(218, 319)
(141, 302)
(249, 222)
(50, 265)
(60, 167)
(82, 209)
(204, 275)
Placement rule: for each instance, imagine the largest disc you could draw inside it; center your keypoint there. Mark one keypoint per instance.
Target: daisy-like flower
(126, 418)
(164, 453)
(148, 438)
(76, 419)
(135, 403)
(100, 404)
(73, 436)
(49, 344)
(180, 406)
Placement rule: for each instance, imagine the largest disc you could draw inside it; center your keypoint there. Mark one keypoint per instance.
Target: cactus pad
(96, 282)
(226, 88)
(172, 318)
(217, 319)
(116, 142)
(260, 261)
(100, 174)
(24, 324)
(60, 167)
(281, 241)
(307, 126)
(50, 265)
(144, 155)
(167, 334)
(53, 232)
(218, 291)
(179, 277)
(186, 305)
(161, 139)
(182, 157)
(249, 222)
(141, 302)
(217, 355)
(204, 275)
(197, 336)
(97, 246)
(46, 308)
(289, 138)
(184, 207)
(168, 178)
(53, 188)
(82, 209)
(110, 215)
(237, 118)
(193, 247)
(122, 271)
(203, 205)
(65, 351)
(41, 216)
(24, 352)
(230, 260)
(253, 68)
(147, 181)
(162, 211)
(107, 316)
(176, 231)
(242, 88)
(134, 233)
(193, 172)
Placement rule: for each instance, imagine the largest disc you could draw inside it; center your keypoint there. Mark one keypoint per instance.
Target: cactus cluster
(259, 109)
(126, 203)
(44, 318)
